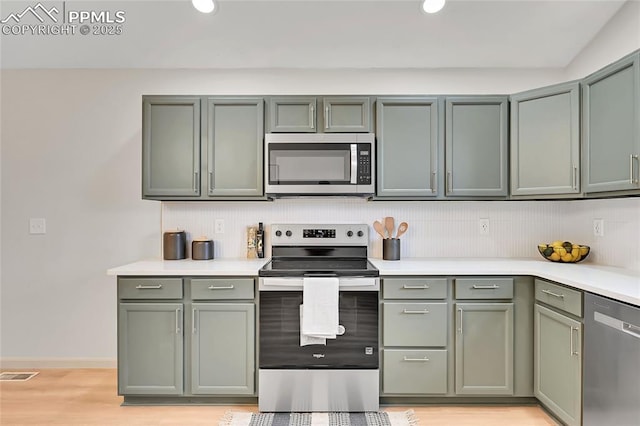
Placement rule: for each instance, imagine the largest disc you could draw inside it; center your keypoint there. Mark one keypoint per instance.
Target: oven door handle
(326, 274)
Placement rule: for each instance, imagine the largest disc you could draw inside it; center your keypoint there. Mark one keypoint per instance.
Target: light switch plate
(37, 225)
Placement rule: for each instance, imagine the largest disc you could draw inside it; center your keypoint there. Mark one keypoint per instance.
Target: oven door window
(279, 327)
(305, 164)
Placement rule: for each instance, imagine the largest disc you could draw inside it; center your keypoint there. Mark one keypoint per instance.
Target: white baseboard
(35, 363)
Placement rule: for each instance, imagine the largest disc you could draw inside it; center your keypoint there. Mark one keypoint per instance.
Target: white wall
(618, 38)
(70, 143)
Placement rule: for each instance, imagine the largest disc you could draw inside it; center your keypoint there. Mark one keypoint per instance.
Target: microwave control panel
(364, 163)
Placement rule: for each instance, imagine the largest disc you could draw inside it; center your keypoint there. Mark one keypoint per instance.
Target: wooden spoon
(379, 228)
(402, 228)
(389, 224)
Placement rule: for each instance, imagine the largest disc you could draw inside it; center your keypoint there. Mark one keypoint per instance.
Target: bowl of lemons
(564, 252)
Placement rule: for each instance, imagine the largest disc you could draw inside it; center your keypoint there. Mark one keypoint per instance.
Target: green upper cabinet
(202, 148)
(347, 114)
(611, 127)
(407, 132)
(293, 114)
(476, 142)
(235, 134)
(170, 146)
(300, 114)
(545, 141)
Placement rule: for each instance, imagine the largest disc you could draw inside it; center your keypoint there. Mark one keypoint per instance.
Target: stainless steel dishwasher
(611, 363)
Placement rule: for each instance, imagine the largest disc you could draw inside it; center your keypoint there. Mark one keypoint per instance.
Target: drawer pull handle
(485, 287)
(415, 287)
(149, 287)
(407, 311)
(425, 359)
(550, 293)
(226, 287)
(178, 315)
(460, 323)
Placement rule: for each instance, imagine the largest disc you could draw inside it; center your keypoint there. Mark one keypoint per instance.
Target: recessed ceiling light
(204, 6)
(432, 6)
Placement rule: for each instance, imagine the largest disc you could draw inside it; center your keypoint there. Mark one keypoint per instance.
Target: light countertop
(616, 283)
(189, 267)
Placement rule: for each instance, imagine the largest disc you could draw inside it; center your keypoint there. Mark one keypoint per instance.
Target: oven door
(318, 164)
(279, 331)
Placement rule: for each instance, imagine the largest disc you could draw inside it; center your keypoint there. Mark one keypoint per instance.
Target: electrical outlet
(598, 227)
(37, 225)
(219, 226)
(483, 226)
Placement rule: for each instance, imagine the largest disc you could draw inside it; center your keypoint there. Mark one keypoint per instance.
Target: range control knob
(349, 233)
(289, 233)
(278, 233)
(360, 233)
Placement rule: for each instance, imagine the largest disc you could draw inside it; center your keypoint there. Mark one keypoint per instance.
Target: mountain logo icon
(39, 11)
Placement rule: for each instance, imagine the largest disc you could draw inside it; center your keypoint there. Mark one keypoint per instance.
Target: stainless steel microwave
(319, 164)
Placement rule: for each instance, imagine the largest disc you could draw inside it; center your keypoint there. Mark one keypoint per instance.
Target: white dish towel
(319, 310)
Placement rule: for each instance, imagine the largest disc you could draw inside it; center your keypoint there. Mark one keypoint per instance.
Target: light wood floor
(89, 397)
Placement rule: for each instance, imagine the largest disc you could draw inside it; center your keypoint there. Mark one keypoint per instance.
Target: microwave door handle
(354, 163)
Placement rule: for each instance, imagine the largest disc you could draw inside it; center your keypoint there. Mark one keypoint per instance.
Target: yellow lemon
(561, 251)
(556, 244)
(567, 257)
(575, 252)
(583, 250)
(554, 256)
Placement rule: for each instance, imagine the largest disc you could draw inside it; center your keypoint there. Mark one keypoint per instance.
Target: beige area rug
(397, 418)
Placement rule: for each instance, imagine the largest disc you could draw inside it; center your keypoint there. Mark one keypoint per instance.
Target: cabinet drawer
(414, 371)
(414, 288)
(561, 297)
(414, 324)
(484, 288)
(150, 288)
(221, 288)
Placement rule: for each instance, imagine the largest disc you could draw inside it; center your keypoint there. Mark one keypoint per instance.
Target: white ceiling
(319, 34)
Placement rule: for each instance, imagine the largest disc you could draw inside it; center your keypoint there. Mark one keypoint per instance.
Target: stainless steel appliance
(342, 373)
(319, 163)
(611, 363)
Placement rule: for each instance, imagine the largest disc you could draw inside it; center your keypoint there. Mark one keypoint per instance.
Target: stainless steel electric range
(339, 373)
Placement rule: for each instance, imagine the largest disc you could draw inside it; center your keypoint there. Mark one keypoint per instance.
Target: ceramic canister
(174, 245)
(202, 249)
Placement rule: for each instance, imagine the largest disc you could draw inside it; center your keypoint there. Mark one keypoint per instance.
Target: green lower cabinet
(223, 349)
(414, 372)
(558, 364)
(150, 348)
(484, 349)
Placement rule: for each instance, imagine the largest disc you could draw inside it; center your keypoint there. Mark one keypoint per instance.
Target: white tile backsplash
(436, 228)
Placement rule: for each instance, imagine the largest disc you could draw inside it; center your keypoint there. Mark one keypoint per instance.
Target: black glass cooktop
(299, 267)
